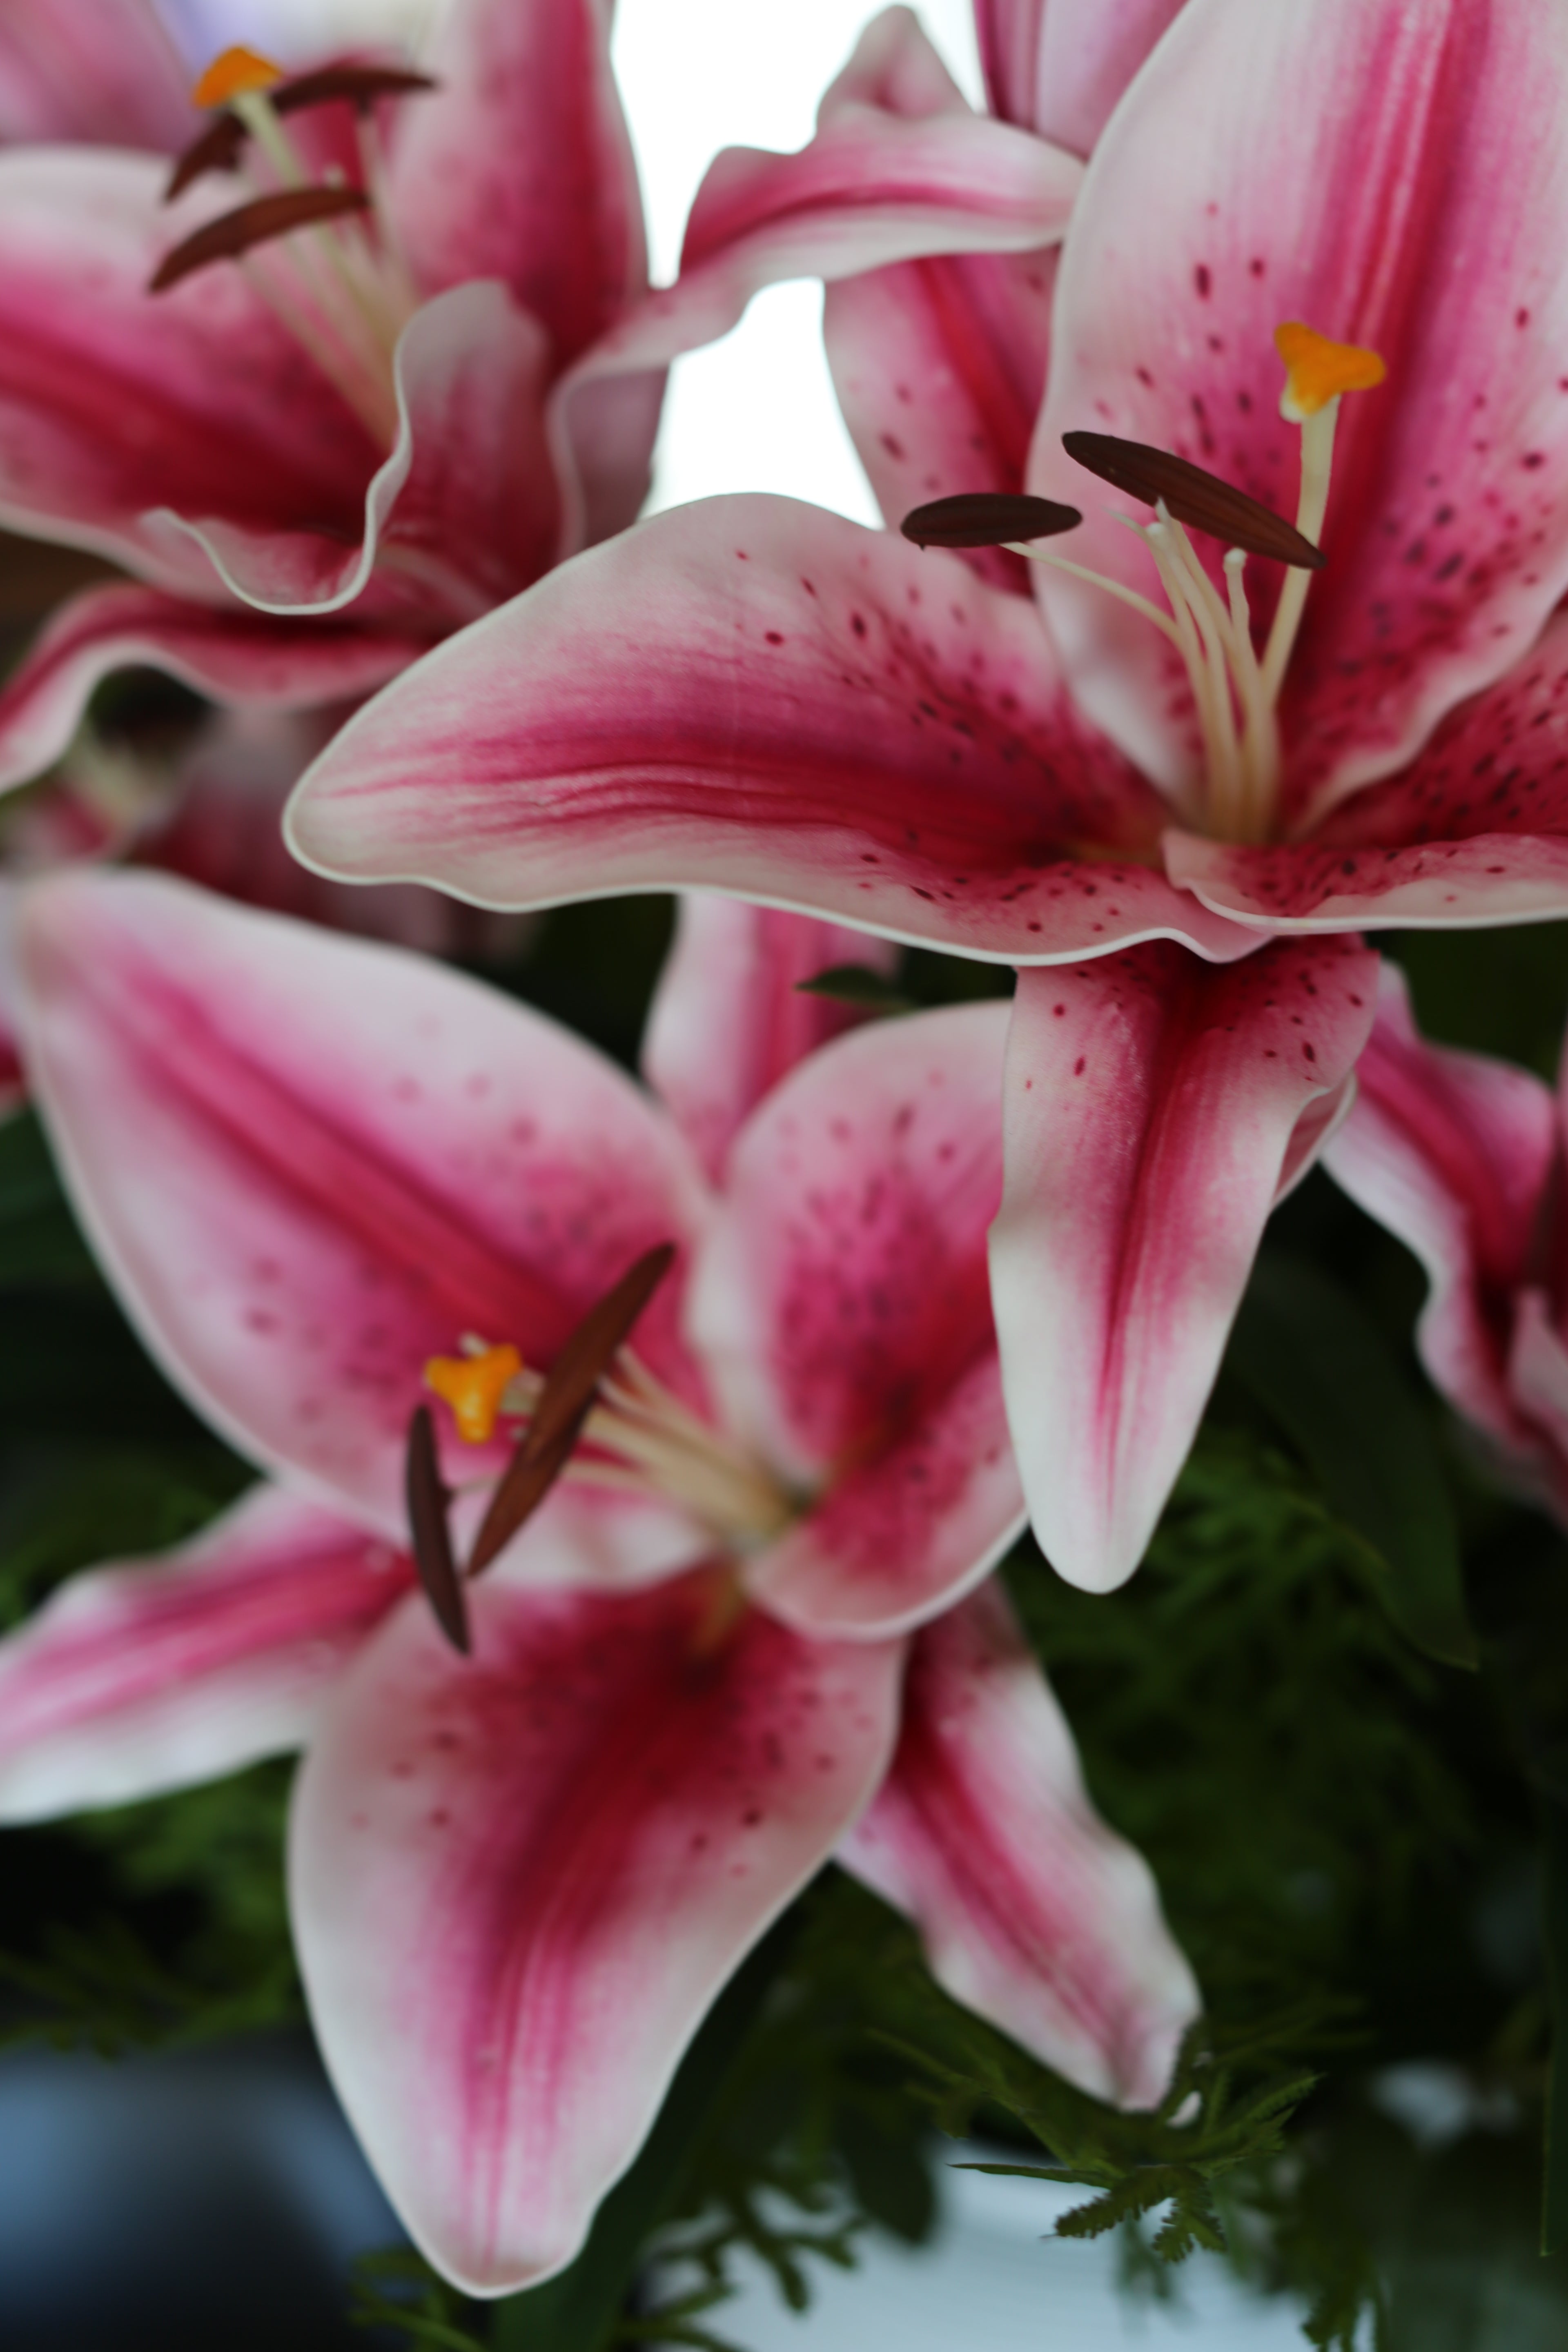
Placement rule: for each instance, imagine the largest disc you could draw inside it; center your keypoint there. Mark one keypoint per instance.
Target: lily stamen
(341, 287)
(1236, 691)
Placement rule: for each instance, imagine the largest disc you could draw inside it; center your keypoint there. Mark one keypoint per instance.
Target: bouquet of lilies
(651, 1503)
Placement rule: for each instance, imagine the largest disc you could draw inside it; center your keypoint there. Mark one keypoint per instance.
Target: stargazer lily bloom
(1461, 1156)
(387, 1230)
(1299, 264)
(406, 360)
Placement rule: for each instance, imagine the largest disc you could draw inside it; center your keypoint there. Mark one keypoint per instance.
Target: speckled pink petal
(1032, 1911)
(842, 1307)
(1394, 177)
(1152, 1109)
(114, 402)
(136, 1678)
(309, 1163)
(1453, 1153)
(753, 696)
(1474, 831)
(518, 1882)
(103, 72)
(729, 1019)
(940, 368)
(222, 650)
(465, 510)
(1059, 66)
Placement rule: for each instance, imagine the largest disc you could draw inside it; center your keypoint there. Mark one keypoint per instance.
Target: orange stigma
(233, 75)
(1317, 369)
(474, 1386)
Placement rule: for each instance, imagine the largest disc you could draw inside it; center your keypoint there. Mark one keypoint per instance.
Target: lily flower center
(1235, 686)
(321, 251)
(637, 1436)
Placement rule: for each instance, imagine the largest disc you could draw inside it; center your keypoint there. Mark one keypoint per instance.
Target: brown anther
(565, 1402)
(1192, 495)
(219, 149)
(254, 224)
(359, 85)
(427, 1496)
(220, 146)
(986, 518)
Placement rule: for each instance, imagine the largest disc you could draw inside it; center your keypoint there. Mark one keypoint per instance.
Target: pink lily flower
(349, 421)
(313, 499)
(750, 1628)
(1460, 1156)
(1241, 756)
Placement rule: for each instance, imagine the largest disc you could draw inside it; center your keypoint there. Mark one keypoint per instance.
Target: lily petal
(99, 71)
(729, 1019)
(885, 179)
(518, 1882)
(939, 363)
(1474, 831)
(221, 826)
(299, 1211)
(141, 1677)
(940, 368)
(1153, 1110)
(1453, 1153)
(114, 402)
(464, 511)
(751, 695)
(519, 166)
(1538, 1375)
(1059, 66)
(232, 654)
(1033, 1913)
(1321, 161)
(841, 1304)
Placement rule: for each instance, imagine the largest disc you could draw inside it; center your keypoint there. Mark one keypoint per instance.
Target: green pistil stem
(1317, 464)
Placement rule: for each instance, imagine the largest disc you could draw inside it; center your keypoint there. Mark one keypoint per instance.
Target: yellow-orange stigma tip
(473, 1386)
(1317, 369)
(234, 73)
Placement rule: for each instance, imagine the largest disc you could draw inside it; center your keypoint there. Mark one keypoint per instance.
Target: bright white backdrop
(755, 412)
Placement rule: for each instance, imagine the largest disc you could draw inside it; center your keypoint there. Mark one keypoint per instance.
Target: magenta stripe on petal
(753, 696)
(518, 1882)
(311, 1164)
(1153, 1110)
(1032, 1911)
(134, 1679)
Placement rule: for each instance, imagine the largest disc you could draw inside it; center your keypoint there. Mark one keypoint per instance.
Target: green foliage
(1320, 1366)
(1250, 1676)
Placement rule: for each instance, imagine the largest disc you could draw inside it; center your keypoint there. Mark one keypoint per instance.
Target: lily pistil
(1234, 684)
